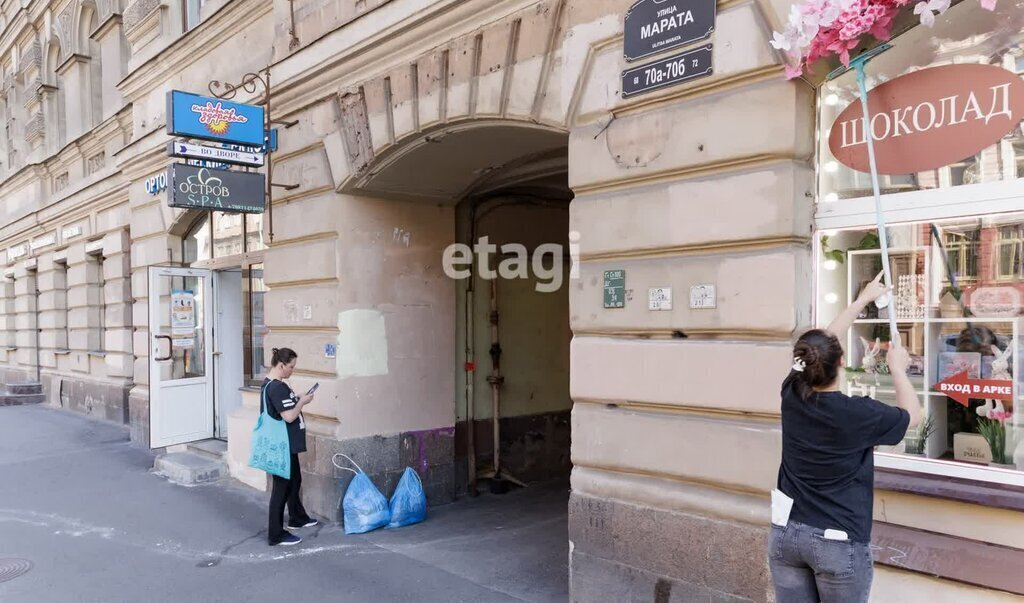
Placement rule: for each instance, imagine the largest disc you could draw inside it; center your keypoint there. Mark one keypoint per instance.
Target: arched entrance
(507, 185)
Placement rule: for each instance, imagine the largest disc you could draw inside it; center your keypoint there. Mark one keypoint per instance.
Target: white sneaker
(308, 524)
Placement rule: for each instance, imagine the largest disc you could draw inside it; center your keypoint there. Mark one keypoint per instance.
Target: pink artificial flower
(794, 71)
(996, 415)
(988, 4)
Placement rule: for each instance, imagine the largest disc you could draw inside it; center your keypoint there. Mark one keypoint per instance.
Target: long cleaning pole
(858, 65)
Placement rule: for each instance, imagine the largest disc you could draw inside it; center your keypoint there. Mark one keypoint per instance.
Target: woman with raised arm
(818, 548)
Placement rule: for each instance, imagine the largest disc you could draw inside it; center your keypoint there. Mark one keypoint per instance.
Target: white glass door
(180, 357)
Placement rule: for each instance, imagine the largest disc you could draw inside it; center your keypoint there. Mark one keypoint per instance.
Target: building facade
(467, 221)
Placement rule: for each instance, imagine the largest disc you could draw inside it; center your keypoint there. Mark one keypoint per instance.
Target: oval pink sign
(930, 118)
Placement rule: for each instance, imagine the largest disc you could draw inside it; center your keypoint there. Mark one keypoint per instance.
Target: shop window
(255, 326)
(223, 237)
(958, 303)
(962, 34)
(227, 234)
(196, 244)
(254, 232)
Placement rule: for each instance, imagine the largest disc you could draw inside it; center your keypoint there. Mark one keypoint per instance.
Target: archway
(507, 182)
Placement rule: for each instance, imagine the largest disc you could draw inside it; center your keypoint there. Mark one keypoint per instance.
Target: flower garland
(823, 28)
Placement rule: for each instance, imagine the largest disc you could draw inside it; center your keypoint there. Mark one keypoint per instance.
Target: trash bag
(408, 503)
(364, 508)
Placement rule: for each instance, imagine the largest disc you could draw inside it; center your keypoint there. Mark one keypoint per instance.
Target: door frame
(155, 353)
(218, 343)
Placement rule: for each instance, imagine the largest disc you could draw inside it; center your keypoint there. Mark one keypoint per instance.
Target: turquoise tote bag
(270, 448)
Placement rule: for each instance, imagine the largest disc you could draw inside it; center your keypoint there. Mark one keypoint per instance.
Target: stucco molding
(137, 12)
(493, 63)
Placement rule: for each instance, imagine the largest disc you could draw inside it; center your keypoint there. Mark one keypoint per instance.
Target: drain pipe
(495, 379)
(470, 367)
(39, 368)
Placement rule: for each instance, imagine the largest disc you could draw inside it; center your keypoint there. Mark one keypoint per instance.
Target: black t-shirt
(282, 398)
(828, 457)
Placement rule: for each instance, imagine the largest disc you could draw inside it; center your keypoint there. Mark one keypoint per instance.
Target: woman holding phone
(285, 404)
(819, 546)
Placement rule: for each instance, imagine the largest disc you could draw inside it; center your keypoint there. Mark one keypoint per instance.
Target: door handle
(170, 347)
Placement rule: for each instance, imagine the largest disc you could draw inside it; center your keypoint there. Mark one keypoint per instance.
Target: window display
(958, 301)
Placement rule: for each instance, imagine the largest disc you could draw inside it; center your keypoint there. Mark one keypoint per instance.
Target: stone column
(52, 310)
(25, 318)
(118, 345)
(83, 307)
(7, 319)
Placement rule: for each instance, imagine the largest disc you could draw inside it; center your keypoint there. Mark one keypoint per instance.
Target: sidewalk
(80, 503)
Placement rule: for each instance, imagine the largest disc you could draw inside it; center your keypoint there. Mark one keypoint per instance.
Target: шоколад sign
(930, 118)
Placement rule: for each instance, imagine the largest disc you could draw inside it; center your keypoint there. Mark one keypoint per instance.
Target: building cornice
(193, 46)
(69, 62)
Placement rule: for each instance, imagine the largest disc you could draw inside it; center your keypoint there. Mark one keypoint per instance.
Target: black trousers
(285, 491)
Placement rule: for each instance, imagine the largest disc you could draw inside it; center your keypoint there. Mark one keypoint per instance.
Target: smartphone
(313, 389)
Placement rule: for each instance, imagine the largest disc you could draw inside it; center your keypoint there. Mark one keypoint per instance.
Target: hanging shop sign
(221, 155)
(204, 188)
(653, 26)
(930, 118)
(674, 70)
(614, 288)
(208, 118)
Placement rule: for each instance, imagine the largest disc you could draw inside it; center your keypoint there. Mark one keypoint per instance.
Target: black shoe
(288, 539)
(310, 523)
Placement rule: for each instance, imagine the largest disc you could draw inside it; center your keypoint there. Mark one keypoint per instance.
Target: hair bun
(274, 350)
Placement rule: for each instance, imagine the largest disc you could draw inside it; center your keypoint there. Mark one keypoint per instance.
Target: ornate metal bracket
(251, 83)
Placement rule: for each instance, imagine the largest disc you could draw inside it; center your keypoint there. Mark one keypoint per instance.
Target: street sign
(190, 150)
(220, 190)
(674, 70)
(653, 26)
(614, 288)
(208, 118)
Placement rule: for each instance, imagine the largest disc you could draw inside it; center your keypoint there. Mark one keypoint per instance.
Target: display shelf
(885, 321)
(972, 320)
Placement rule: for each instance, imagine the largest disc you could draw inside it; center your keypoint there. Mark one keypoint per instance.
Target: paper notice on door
(183, 311)
(781, 507)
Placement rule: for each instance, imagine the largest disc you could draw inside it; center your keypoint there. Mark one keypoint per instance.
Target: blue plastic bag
(364, 508)
(271, 451)
(409, 502)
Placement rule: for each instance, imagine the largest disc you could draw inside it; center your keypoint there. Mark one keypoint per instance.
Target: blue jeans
(808, 568)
